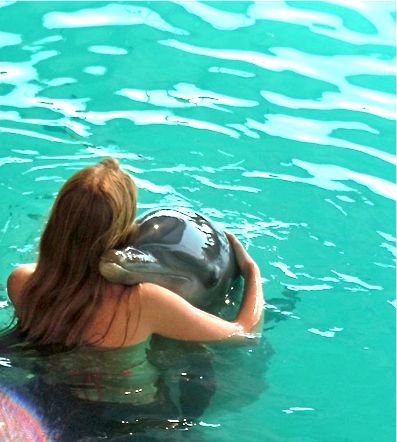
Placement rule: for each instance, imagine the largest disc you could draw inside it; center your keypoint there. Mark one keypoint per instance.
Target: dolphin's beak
(110, 266)
(110, 256)
(129, 258)
(111, 271)
(130, 266)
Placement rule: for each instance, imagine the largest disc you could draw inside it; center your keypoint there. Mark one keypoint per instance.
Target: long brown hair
(93, 212)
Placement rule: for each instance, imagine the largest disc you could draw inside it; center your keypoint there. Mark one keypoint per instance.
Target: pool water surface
(274, 119)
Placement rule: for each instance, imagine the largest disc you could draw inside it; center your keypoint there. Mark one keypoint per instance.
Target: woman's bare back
(116, 323)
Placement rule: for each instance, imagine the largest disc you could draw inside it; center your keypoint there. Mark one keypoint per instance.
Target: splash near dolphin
(180, 250)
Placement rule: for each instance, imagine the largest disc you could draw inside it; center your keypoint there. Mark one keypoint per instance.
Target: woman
(64, 300)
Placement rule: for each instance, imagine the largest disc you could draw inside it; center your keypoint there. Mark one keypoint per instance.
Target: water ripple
(374, 25)
(218, 19)
(32, 134)
(109, 15)
(316, 132)
(330, 69)
(9, 39)
(108, 50)
(355, 280)
(156, 117)
(328, 176)
(353, 99)
(238, 72)
(234, 188)
(186, 95)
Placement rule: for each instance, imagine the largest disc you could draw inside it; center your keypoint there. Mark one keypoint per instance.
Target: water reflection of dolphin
(179, 250)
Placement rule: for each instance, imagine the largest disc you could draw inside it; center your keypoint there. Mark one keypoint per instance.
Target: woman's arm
(251, 310)
(167, 314)
(17, 280)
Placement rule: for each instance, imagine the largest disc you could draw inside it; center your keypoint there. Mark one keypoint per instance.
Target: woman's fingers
(243, 258)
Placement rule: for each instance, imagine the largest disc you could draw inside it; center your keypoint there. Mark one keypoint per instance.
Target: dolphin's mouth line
(171, 275)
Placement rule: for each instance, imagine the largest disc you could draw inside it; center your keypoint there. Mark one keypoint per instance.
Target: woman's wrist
(250, 268)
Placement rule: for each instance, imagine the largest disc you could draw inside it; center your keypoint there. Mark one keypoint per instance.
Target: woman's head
(93, 212)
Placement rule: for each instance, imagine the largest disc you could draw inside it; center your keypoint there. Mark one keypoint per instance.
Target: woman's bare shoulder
(18, 279)
(153, 295)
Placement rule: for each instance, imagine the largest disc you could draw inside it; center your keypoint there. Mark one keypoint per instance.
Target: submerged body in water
(86, 391)
(121, 375)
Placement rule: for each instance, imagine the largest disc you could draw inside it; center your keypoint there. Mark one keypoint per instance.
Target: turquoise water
(277, 120)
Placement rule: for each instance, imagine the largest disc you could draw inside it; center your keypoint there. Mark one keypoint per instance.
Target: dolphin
(180, 250)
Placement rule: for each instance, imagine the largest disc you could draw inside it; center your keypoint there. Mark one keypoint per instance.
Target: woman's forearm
(251, 309)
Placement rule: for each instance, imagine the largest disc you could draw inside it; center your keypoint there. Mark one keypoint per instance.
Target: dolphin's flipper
(198, 384)
(189, 373)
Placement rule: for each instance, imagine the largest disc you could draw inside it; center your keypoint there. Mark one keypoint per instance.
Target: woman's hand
(244, 260)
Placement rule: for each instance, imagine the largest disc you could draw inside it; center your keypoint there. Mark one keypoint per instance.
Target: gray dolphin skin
(177, 249)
